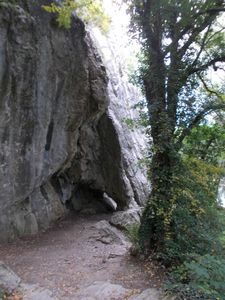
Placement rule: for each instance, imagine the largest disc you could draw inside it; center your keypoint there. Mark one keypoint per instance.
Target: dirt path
(68, 257)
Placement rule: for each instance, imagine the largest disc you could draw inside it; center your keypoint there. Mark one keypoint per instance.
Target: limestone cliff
(59, 142)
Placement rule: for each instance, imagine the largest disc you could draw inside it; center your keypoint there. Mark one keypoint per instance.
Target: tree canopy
(183, 46)
(181, 41)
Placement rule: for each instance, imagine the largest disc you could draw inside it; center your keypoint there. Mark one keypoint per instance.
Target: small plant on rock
(90, 11)
(132, 233)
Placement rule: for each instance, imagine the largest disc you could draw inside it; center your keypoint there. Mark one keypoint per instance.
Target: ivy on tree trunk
(181, 42)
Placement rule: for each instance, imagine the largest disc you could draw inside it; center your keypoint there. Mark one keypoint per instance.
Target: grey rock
(51, 86)
(101, 290)
(109, 202)
(149, 294)
(109, 234)
(35, 292)
(125, 219)
(61, 128)
(123, 96)
(9, 281)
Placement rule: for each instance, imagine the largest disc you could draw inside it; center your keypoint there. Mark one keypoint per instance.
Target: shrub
(196, 222)
(202, 277)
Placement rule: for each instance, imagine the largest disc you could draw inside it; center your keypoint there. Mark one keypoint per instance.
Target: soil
(68, 257)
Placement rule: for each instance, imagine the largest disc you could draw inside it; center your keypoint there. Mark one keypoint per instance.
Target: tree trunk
(156, 218)
(155, 222)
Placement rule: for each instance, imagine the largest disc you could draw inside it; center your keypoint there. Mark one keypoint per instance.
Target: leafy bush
(196, 247)
(202, 277)
(196, 223)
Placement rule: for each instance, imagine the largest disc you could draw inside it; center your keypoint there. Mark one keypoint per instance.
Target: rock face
(123, 97)
(60, 140)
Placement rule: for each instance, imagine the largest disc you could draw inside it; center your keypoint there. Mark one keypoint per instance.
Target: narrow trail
(69, 257)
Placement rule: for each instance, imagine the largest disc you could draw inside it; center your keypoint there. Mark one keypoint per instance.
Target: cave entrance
(81, 197)
(90, 201)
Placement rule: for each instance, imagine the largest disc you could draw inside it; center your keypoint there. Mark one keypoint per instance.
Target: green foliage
(202, 277)
(132, 233)
(206, 142)
(90, 11)
(131, 123)
(181, 41)
(197, 244)
(196, 225)
(142, 119)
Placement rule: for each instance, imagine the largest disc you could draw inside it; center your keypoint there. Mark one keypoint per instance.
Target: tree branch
(211, 10)
(196, 120)
(214, 34)
(202, 45)
(205, 66)
(208, 19)
(209, 90)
